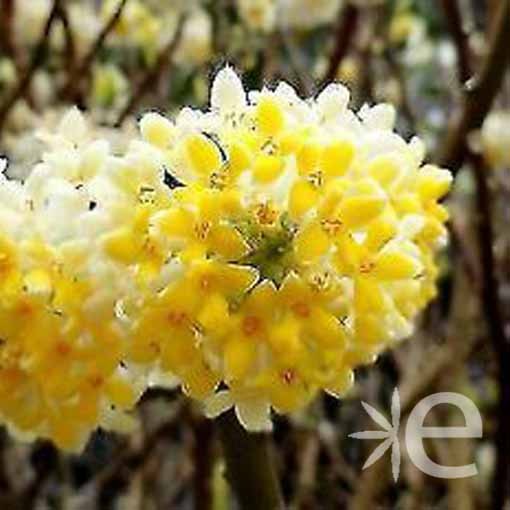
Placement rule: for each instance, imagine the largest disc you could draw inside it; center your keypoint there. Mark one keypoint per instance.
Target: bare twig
(479, 93)
(453, 18)
(489, 288)
(70, 46)
(153, 75)
(309, 459)
(37, 59)
(6, 28)
(250, 466)
(345, 31)
(81, 71)
(495, 323)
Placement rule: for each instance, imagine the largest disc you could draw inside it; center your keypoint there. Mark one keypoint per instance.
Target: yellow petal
(303, 196)
(267, 168)
(270, 116)
(393, 265)
(311, 243)
(238, 356)
(227, 242)
(308, 158)
(336, 158)
(203, 155)
(433, 182)
(384, 169)
(121, 245)
(357, 211)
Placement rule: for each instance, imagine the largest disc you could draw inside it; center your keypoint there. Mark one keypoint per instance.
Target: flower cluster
(266, 15)
(257, 253)
(62, 346)
(150, 27)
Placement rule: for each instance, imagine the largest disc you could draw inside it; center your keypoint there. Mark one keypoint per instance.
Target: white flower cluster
(267, 15)
(62, 369)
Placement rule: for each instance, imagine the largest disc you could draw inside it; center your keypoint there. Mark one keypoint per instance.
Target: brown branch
(346, 29)
(479, 93)
(153, 75)
(203, 455)
(82, 70)
(70, 45)
(6, 28)
(37, 59)
(250, 466)
(307, 478)
(460, 38)
(496, 326)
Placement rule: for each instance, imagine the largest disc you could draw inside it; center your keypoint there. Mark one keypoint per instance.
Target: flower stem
(250, 465)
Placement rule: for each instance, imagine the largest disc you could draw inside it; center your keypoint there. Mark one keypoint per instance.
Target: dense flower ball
(256, 253)
(61, 344)
(302, 240)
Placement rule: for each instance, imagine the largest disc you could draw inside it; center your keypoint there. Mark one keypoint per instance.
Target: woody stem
(250, 465)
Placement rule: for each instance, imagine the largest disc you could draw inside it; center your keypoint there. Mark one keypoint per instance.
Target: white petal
(379, 117)
(333, 100)
(254, 415)
(72, 126)
(227, 92)
(218, 403)
(418, 150)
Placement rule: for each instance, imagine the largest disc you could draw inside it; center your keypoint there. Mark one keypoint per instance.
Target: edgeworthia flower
(256, 253)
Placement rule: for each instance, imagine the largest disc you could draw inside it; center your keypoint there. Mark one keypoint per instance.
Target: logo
(416, 431)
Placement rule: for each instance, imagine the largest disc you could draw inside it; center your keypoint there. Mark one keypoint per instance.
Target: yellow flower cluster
(303, 240)
(295, 242)
(61, 343)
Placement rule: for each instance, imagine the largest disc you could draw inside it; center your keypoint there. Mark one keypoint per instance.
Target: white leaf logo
(389, 434)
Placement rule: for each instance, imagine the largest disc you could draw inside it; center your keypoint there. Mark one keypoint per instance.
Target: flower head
(257, 252)
(305, 234)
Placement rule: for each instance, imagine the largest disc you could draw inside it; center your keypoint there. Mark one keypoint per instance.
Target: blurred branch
(203, 461)
(70, 46)
(79, 72)
(6, 29)
(399, 75)
(461, 245)
(298, 66)
(307, 476)
(250, 465)
(479, 93)
(37, 59)
(152, 76)
(453, 19)
(495, 323)
(346, 29)
(119, 471)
